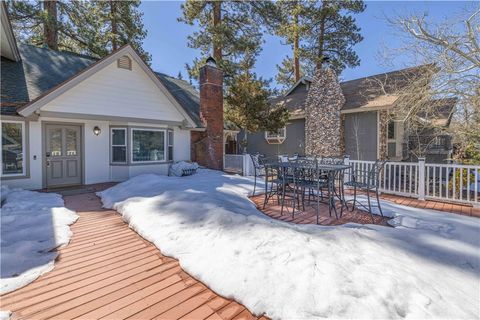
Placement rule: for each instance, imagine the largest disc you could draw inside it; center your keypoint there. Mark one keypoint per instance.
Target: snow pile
(427, 266)
(177, 168)
(33, 224)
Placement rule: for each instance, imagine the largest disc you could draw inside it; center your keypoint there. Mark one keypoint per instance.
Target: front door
(63, 154)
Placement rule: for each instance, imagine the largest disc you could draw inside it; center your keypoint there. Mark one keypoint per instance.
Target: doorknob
(47, 154)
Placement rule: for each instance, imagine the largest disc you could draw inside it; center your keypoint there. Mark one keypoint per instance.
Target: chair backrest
(375, 172)
(331, 160)
(256, 160)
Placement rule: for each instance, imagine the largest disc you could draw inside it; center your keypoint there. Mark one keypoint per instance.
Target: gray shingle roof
(185, 94)
(42, 69)
(357, 92)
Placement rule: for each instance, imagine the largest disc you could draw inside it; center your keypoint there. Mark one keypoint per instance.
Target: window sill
(15, 176)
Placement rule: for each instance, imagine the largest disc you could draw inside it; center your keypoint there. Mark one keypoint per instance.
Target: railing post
(421, 178)
(346, 174)
(246, 164)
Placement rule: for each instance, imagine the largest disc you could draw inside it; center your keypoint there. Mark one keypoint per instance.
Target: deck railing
(444, 182)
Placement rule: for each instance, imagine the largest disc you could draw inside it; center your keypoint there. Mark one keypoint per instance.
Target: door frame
(44, 148)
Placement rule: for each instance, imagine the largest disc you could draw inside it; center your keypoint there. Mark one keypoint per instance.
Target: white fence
(238, 163)
(444, 182)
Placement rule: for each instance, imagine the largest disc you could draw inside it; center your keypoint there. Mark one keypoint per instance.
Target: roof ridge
(390, 72)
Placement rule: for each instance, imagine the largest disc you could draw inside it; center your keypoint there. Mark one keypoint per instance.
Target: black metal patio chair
(367, 181)
(258, 166)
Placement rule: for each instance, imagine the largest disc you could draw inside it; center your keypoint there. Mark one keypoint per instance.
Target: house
(69, 119)
(364, 129)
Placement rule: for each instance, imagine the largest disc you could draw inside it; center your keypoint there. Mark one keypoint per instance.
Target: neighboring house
(367, 132)
(68, 119)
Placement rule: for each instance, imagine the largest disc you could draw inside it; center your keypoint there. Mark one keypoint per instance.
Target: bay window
(13, 148)
(148, 145)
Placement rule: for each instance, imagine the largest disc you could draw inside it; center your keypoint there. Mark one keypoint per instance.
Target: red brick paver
(108, 271)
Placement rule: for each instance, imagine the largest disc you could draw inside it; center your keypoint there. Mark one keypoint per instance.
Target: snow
(426, 266)
(5, 315)
(33, 224)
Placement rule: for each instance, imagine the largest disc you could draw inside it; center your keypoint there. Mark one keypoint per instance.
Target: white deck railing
(447, 182)
(443, 182)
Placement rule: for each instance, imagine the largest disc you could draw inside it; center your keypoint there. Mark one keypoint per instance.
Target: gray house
(364, 130)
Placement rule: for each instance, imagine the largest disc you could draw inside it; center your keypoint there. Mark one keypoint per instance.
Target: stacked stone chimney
(207, 146)
(323, 133)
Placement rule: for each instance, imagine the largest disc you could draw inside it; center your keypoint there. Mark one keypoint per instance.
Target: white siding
(117, 92)
(96, 157)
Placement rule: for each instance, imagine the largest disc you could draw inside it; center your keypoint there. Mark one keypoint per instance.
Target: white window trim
(276, 139)
(118, 145)
(24, 151)
(164, 144)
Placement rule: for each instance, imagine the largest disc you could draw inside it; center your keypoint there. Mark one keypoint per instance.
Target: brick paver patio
(108, 271)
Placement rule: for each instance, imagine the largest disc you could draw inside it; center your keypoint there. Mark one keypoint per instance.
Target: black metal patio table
(331, 172)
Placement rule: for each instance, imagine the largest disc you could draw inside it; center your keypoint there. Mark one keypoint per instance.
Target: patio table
(331, 172)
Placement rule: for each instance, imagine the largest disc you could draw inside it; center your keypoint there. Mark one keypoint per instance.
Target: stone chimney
(207, 146)
(323, 133)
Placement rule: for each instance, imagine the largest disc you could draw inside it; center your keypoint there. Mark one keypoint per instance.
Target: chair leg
(254, 184)
(378, 203)
(283, 199)
(354, 197)
(370, 205)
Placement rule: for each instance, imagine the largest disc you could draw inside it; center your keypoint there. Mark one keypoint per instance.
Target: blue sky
(167, 38)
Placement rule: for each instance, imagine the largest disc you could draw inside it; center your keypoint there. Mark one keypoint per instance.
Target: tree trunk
(50, 32)
(321, 37)
(217, 20)
(113, 21)
(296, 58)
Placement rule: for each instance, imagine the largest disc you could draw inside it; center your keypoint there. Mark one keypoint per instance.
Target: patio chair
(368, 181)
(258, 166)
(274, 182)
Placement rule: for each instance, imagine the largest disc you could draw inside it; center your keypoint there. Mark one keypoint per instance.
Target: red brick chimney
(207, 146)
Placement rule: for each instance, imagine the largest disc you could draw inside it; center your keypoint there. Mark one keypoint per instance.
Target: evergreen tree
(89, 27)
(228, 30)
(247, 105)
(317, 30)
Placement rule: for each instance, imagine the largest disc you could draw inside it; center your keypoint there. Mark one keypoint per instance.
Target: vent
(125, 63)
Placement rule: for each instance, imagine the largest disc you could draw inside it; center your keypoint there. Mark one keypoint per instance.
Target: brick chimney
(207, 146)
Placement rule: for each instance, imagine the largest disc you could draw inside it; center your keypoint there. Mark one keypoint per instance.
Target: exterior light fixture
(96, 130)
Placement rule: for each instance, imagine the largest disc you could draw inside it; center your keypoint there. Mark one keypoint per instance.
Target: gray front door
(63, 154)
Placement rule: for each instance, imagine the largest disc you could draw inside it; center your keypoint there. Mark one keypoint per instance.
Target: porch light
(96, 130)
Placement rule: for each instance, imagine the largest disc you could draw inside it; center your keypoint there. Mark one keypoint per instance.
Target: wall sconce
(96, 130)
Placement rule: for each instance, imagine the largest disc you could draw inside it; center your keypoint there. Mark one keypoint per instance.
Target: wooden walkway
(108, 271)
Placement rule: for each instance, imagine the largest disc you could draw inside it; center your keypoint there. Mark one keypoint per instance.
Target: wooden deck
(108, 271)
(273, 210)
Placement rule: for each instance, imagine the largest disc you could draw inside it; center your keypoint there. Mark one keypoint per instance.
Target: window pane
(71, 142)
(12, 148)
(148, 145)
(118, 137)
(119, 154)
(391, 130)
(170, 153)
(55, 142)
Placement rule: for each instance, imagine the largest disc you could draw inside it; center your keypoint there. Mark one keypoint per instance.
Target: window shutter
(170, 145)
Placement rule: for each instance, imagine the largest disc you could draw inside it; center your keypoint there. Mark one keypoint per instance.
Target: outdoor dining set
(299, 181)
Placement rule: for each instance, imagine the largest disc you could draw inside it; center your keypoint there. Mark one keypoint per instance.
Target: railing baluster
(468, 185)
(460, 192)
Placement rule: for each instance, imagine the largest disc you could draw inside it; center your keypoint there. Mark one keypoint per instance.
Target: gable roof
(9, 47)
(360, 94)
(44, 74)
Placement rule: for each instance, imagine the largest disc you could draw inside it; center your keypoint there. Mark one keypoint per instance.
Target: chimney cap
(211, 62)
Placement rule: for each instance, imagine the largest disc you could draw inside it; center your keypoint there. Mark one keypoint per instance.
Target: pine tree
(228, 30)
(94, 28)
(316, 30)
(247, 105)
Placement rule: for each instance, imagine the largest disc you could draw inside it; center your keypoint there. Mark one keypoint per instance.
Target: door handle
(47, 154)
